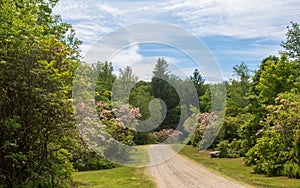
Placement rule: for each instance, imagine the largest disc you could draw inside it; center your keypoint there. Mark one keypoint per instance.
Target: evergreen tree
(105, 81)
(198, 82)
(123, 85)
(162, 88)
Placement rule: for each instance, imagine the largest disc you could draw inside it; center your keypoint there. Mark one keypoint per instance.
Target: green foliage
(38, 55)
(277, 148)
(196, 137)
(278, 77)
(205, 100)
(217, 94)
(203, 127)
(247, 107)
(267, 155)
(198, 82)
(93, 161)
(105, 80)
(140, 97)
(40, 145)
(146, 138)
(262, 113)
(123, 85)
(237, 90)
(291, 170)
(249, 130)
(230, 128)
(233, 149)
(161, 88)
(257, 74)
(292, 44)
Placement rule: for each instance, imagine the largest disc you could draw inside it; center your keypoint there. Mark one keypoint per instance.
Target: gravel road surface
(171, 170)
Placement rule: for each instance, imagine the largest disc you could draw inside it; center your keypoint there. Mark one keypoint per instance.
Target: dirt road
(173, 171)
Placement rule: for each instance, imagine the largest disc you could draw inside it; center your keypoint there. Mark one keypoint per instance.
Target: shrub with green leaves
(203, 128)
(230, 150)
(38, 58)
(268, 156)
(291, 170)
(277, 151)
(142, 138)
(92, 161)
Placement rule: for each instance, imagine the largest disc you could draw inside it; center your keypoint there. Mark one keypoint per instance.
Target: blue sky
(234, 31)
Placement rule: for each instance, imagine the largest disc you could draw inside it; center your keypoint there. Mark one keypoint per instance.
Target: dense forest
(39, 138)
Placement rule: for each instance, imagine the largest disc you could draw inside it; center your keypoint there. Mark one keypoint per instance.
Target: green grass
(121, 176)
(139, 157)
(235, 169)
(114, 178)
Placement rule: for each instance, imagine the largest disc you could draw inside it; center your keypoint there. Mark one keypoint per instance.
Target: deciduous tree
(38, 56)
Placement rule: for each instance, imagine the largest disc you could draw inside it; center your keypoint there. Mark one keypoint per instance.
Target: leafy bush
(230, 150)
(202, 126)
(292, 170)
(145, 138)
(223, 148)
(119, 130)
(41, 182)
(277, 151)
(268, 155)
(196, 137)
(93, 161)
(230, 127)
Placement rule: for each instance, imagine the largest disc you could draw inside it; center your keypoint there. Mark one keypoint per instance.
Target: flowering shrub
(168, 135)
(197, 124)
(277, 152)
(120, 124)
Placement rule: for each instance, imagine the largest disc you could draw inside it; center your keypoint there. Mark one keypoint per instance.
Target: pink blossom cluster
(124, 115)
(206, 119)
(169, 135)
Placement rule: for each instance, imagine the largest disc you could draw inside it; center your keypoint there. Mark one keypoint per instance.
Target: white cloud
(126, 56)
(244, 19)
(145, 66)
(236, 18)
(111, 10)
(143, 69)
(254, 19)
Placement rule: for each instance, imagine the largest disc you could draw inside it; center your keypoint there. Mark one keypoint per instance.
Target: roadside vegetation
(235, 169)
(262, 114)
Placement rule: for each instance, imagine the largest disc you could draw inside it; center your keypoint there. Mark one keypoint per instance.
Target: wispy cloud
(206, 17)
(244, 19)
(262, 23)
(126, 56)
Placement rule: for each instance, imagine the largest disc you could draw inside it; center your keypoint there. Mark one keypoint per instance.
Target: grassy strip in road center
(236, 169)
